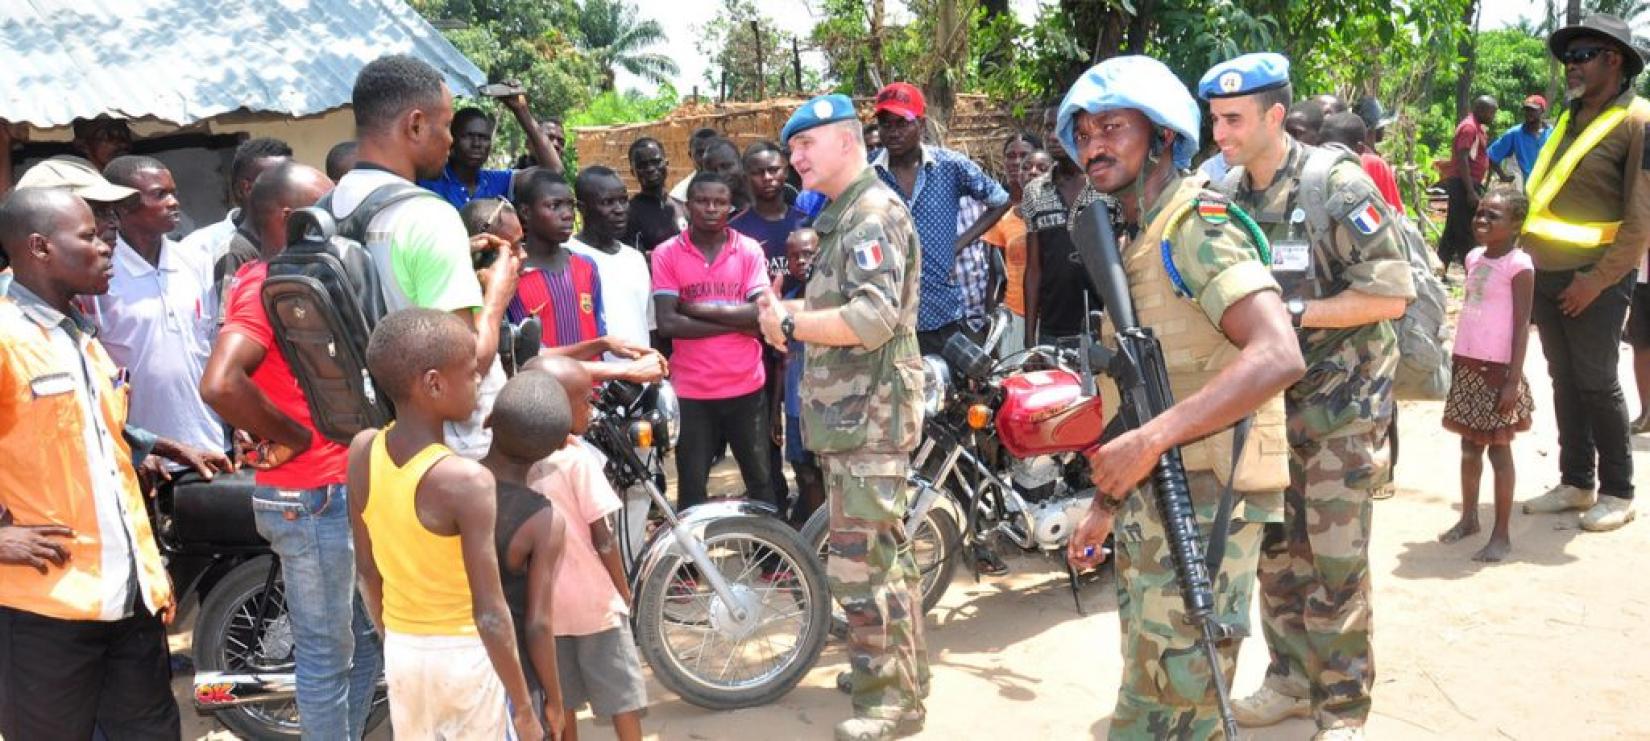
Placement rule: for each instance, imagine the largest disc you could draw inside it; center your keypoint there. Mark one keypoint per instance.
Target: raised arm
(537, 142)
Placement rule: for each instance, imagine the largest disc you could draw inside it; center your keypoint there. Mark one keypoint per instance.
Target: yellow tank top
(426, 591)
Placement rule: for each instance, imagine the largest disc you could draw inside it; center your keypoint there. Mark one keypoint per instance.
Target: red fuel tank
(1045, 412)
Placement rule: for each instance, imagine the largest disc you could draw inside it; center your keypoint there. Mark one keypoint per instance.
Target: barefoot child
(530, 421)
(419, 512)
(1488, 400)
(595, 651)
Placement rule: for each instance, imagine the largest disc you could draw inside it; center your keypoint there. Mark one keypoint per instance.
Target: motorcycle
(1003, 444)
(242, 641)
(731, 608)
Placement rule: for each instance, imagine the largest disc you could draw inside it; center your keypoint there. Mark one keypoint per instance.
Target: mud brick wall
(978, 129)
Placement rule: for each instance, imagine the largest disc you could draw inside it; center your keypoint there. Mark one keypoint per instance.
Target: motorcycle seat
(215, 512)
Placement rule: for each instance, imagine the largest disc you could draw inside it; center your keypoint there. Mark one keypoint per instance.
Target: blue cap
(1245, 75)
(1141, 83)
(818, 112)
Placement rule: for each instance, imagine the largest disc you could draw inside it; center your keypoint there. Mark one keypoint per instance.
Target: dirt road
(1554, 643)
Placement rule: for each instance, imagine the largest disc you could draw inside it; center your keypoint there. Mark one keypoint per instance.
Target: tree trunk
(1469, 55)
(1572, 12)
(879, 62)
(761, 74)
(950, 54)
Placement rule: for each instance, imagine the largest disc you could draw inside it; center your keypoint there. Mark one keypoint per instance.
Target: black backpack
(323, 296)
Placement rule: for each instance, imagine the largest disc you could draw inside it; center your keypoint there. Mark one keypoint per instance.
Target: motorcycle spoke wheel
(728, 653)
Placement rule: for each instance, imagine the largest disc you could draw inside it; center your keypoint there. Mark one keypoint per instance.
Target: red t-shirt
(326, 462)
(1385, 180)
(1469, 135)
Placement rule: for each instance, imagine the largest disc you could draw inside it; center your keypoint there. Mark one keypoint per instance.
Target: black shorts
(1638, 318)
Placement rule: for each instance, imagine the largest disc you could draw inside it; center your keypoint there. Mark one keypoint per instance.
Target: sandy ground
(1554, 643)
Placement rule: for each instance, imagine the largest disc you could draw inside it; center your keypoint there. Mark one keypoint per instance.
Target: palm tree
(615, 38)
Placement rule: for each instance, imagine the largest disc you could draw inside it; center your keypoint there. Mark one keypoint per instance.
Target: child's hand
(1507, 401)
(557, 718)
(527, 723)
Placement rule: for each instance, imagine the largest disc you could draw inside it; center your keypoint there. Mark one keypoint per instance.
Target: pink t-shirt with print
(725, 365)
(586, 600)
(1484, 330)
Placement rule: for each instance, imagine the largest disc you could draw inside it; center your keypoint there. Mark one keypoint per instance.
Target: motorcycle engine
(1054, 508)
(1054, 519)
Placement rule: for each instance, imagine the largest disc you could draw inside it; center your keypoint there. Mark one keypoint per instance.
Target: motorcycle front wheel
(931, 544)
(702, 650)
(230, 637)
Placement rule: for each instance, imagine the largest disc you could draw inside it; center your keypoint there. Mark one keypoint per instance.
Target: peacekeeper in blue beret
(1197, 274)
(861, 391)
(1338, 255)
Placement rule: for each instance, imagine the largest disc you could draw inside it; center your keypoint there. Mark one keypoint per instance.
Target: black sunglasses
(1581, 56)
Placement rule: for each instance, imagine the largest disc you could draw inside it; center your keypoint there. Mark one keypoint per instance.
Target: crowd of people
(788, 289)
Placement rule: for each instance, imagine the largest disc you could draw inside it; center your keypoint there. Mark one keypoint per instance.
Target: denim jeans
(338, 655)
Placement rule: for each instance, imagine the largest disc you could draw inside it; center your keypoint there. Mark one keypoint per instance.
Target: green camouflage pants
(874, 576)
(1166, 692)
(1314, 574)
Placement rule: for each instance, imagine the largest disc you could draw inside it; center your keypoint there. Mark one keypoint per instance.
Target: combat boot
(1340, 733)
(1269, 707)
(1608, 514)
(1561, 498)
(878, 729)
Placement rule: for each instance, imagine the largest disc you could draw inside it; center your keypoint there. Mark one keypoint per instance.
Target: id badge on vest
(1292, 258)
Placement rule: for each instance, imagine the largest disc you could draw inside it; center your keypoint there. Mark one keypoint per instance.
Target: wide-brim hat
(1604, 26)
(77, 175)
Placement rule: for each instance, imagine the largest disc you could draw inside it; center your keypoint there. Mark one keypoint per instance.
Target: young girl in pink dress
(1489, 401)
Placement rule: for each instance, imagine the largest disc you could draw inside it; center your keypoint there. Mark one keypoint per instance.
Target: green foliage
(612, 108)
(860, 54)
(615, 39)
(753, 52)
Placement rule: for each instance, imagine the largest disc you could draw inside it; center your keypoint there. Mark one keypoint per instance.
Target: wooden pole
(796, 63)
(761, 78)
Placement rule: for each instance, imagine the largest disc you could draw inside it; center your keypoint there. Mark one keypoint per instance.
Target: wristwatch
(788, 327)
(1108, 504)
(1297, 309)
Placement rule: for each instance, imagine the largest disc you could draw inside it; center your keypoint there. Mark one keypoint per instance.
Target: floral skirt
(1470, 409)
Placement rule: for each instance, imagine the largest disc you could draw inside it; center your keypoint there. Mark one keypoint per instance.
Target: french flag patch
(1365, 218)
(868, 255)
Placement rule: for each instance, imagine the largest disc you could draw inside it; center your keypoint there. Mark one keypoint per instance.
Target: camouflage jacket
(1348, 371)
(865, 397)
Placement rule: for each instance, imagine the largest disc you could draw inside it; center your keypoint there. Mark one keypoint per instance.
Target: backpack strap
(1314, 185)
(354, 226)
(1222, 525)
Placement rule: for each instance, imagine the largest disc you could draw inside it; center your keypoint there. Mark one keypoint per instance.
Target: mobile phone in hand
(502, 89)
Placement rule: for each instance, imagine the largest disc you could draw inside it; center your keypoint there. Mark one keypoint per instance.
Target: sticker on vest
(1291, 255)
(52, 384)
(1365, 218)
(868, 255)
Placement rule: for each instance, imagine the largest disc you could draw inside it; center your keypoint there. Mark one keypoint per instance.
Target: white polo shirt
(627, 291)
(157, 322)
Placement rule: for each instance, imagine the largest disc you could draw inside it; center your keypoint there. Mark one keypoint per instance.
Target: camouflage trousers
(1314, 573)
(873, 575)
(1166, 692)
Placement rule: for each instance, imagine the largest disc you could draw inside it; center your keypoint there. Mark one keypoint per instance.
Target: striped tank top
(426, 591)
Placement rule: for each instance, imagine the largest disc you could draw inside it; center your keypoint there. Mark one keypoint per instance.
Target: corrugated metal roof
(186, 60)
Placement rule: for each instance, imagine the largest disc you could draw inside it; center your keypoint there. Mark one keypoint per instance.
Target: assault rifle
(1138, 369)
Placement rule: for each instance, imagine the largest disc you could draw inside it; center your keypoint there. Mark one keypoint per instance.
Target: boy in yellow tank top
(450, 653)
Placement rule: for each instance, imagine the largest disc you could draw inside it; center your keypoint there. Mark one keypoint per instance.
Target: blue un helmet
(1141, 83)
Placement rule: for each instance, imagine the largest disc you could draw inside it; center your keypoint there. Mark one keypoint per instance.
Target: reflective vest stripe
(1548, 178)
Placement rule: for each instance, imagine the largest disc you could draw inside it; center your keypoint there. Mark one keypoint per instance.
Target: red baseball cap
(1535, 101)
(901, 98)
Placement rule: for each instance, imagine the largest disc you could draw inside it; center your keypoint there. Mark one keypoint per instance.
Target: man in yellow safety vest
(1588, 226)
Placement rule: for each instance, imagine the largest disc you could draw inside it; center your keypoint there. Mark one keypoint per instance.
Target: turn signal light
(979, 416)
(641, 433)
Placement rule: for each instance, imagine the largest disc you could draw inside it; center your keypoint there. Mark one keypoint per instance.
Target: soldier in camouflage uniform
(861, 392)
(1345, 276)
(1229, 354)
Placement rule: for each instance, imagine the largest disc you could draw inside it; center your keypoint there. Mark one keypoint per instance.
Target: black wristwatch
(788, 327)
(1297, 310)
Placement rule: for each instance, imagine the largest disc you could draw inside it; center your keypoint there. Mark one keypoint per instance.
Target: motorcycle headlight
(936, 377)
(670, 414)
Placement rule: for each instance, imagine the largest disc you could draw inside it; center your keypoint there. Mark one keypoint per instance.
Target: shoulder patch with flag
(1365, 218)
(868, 255)
(1213, 211)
